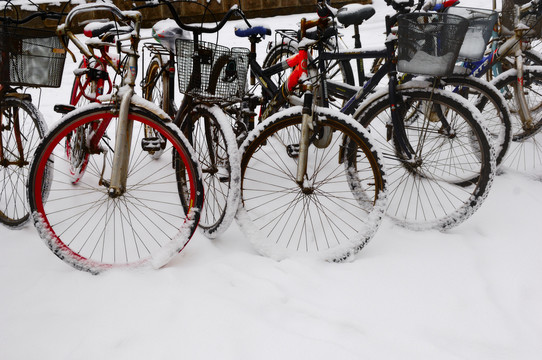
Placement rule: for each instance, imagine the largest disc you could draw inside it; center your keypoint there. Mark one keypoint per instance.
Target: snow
(473, 292)
(424, 63)
(473, 46)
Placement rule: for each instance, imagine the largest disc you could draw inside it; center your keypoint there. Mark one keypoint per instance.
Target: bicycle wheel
(210, 133)
(330, 216)
(22, 127)
(87, 86)
(452, 168)
(491, 104)
(92, 229)
(156, 90)
(89, 83)
(525, 152)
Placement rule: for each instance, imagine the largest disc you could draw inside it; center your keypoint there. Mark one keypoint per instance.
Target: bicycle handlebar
(66, 28)
(53, 15)
(196, 29)
(133, 16)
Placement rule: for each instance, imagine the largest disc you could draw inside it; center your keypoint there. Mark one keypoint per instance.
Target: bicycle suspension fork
(123, 137)
(306, 127)
(123, 140)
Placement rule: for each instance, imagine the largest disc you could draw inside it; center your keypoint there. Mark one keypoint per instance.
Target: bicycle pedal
(63, 109)
(152, 144)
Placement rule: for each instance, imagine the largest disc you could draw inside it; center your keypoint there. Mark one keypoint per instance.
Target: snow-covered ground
(471, 293)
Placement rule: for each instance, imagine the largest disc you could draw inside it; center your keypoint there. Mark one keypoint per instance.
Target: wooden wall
(194, 11)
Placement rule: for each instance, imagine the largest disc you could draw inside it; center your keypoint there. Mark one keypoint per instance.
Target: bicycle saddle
(312, 34)
(255, 30)
(101, 29)
(354, 14)
(166, 32)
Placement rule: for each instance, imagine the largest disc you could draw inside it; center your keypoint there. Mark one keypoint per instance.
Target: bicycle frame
(123, 135)
(512, 46)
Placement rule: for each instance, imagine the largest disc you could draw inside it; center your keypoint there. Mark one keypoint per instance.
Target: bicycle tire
(209, 131)
(431, 191)
(85, 90)
(532, 57)
(526, 149)
(92, 230)
(491, 104)
(14, 210)
(330, 218)
(156, 90)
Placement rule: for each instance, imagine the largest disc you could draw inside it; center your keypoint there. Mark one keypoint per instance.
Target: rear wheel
(210, 133)
(90, 82)
(491, 104)
(156, 91)
(452, 167)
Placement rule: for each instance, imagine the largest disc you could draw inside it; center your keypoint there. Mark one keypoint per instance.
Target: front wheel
(88, 227)
(334, 212)
(450, 172)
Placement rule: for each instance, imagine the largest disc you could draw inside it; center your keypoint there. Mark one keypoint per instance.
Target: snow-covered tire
(451, 172)
(341, 203)
(210, 132)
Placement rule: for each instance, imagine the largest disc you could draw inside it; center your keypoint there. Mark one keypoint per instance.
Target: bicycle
(30, 57)
(520, 85)
(485, 97)
(210, 76)
(313, 183)
(121, 214)
(405, 137)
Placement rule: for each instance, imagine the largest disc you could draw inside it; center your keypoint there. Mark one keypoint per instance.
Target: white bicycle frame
(123, 137)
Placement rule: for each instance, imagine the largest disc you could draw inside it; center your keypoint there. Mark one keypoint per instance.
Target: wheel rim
(93, 231)
(324, 218)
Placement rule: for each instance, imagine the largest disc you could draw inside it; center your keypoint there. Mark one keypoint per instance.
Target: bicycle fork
(519, 93)
(306, 129)
(123, 140)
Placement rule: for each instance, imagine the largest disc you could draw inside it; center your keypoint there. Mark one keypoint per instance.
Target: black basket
(213, 73)
(30, 57)
(429, 43)
(481, 23)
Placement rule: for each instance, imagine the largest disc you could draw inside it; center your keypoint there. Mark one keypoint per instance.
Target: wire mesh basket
(213, 72)
(509, 18)
(30, 57)
(428, 43)
(481, 23)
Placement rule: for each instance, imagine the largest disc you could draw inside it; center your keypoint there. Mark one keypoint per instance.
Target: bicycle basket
(429, 43)
(212, 73)
(481, 22)
(30, 57)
